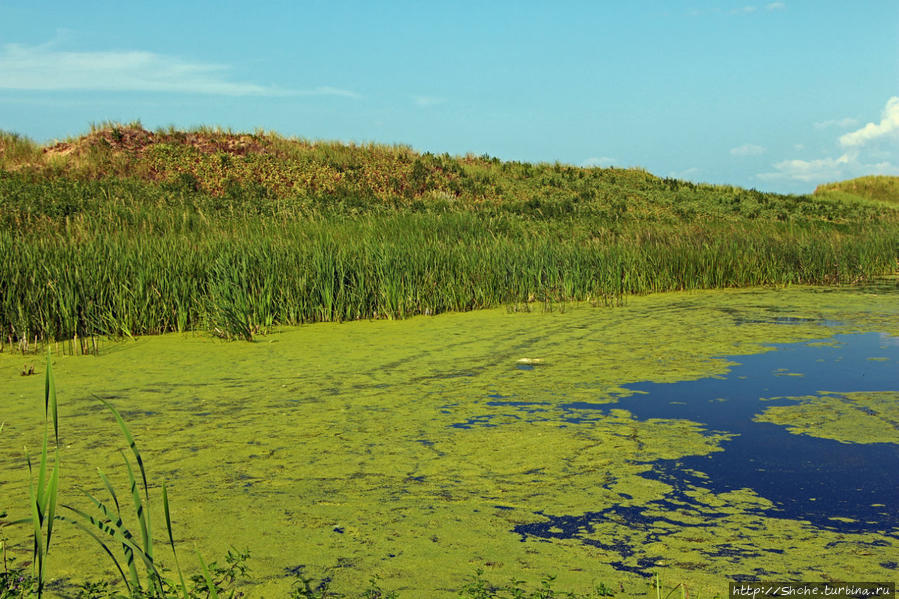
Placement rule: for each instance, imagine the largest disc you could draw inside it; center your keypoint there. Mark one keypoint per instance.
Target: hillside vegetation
(874, 187)
(125, 231)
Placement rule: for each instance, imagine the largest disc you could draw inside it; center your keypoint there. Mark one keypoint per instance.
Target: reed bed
(239, 277)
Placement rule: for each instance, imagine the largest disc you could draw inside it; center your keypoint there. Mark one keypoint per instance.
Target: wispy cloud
(425, 101)
(746, 9)
(45, 68)
(846, 166)
(326, 90)
(747, 150)
(888, 127)
(603, 161)
(839, 123)
(686, 173)
(824, 169)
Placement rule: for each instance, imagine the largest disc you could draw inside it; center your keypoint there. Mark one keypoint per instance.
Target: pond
(707, 436)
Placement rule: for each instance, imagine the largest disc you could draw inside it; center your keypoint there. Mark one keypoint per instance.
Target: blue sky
(776, 95)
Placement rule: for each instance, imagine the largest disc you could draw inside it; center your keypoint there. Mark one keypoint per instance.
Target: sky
(773, 95)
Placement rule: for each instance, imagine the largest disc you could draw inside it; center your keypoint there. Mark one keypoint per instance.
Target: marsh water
(843, 486)
(708, 436)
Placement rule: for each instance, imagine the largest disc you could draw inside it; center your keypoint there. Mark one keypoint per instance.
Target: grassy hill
(874, 187)
(266, 173)
(125, 231)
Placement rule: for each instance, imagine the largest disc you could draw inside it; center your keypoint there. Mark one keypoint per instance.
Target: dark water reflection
(807, 478)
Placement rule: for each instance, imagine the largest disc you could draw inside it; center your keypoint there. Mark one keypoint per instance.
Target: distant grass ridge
(874, 187)
(128, 232)
(266, 173)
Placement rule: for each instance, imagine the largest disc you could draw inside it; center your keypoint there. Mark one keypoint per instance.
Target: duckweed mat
(424, 449)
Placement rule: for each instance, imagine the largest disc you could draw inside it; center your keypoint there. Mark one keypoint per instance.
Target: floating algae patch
(337, 446)
(871, 417)
(716, 537)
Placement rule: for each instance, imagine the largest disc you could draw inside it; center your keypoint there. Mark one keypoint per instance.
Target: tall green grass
(238, 278)
(874, 187)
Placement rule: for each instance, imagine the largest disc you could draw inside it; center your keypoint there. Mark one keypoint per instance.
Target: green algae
(412, 449)
(871, 417)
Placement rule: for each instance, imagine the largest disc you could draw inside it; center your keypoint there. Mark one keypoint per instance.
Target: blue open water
(805, 477)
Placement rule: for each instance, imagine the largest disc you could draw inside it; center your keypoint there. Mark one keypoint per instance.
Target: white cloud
(847, 166)
(425, 101)
(747, 150)
(839, 123)
(745, 10)
(859, 155)
(775, 6)
(888, 127)
(810, 170)
(44, 68)
(603, 161)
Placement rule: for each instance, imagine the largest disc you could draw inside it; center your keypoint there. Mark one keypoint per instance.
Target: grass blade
(106, 527)
(118, 524)
(129, 555)
(36, 520)
(52, 491)
(90, 532)
(213, 594)
(143, 514)
(110, 489)
(131, 443)
(140, 509)
(50, 398)
(168, 526)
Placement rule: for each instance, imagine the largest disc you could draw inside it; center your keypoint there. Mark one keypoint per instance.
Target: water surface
(847, 487)
(420, 450)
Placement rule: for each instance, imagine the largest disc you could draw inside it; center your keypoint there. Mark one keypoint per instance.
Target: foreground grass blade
(36, 520)
(168, 526)
(119, 525)
(129, 555)
(141, 506)
(110, 489)
(213, 594)
(90, 532)
(43, 495)
(131, 443)
(50, 399)
(109, 529)
(140, 509)
(52, 491)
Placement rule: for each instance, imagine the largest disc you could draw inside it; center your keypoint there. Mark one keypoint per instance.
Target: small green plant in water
(43, 493)
(657, 587)
(478, 587)
(107, 527)
(374, 591)
(307, 587)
